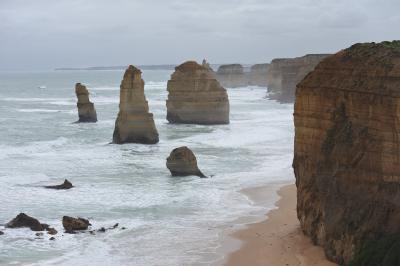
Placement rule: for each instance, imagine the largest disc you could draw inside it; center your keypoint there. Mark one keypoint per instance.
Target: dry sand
(278, 240)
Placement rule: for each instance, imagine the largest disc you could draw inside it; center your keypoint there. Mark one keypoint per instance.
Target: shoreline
(277, 240)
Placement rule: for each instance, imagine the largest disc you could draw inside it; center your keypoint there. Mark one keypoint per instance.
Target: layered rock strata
(196, 97)
(86, 110)
(232, 76)
(134, 123)
(258, 75)
(284, 74)
(183, 162)
(347, 149)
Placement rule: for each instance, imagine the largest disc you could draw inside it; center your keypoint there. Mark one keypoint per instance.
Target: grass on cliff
(382, 252)
(382, 52)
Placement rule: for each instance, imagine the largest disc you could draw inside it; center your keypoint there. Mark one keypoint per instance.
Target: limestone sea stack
(86, 110)
(258, 75)
(183, 162)
(134, 123)
(196, 97)
(347, 153)
(232, 76)
(283, 74)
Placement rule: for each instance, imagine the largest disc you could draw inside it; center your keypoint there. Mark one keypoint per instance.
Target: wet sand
(278, 240)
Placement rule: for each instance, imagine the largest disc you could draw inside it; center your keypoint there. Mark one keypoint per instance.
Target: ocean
(168, 220)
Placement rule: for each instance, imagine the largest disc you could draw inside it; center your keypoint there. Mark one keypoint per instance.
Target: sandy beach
(277, 240)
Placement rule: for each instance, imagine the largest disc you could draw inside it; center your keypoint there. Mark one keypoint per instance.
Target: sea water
(168, 220)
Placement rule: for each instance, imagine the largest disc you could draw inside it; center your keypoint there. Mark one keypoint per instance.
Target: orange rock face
(347, 148)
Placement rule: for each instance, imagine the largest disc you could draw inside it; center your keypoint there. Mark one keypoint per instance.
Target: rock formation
(71, 224)
(23, 220)
(65, 185)
(134, 123)
(347, 149)
(86, 110)
(284, 74)
(183, 162)
(196, 97)
(232, 76)
(258, 75)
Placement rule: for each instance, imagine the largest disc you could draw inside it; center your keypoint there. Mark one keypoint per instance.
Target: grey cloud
(44, 34)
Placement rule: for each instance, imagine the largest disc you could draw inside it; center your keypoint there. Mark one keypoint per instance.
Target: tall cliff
(196, 97)
(258, 75)
(134, 123)
(86, 110)
(232, 76)
(347, 149)
(284, 74)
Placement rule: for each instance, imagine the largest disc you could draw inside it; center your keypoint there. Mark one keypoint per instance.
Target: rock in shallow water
(65, 185)
(183, 162)
(71, 224)
(23, 220)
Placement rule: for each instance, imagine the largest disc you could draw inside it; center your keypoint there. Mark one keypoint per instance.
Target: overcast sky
(45, 34)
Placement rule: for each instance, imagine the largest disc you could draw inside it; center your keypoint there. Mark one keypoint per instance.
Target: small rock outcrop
(183, 162)
(258, 75)
(134, 123)
(65, 185)
(72, 224)
(86, 110)
(196, 97)
(346, 152)
(283, 74)
(23, 220)
(232, 76)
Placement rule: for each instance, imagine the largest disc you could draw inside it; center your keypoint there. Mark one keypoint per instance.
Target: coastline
(277, 240)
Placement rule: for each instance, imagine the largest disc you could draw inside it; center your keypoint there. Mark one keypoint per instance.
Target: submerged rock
(346, 151)
(134, 123)
(86, 110)
(65, 185)
(51, 231)
(23, 220)
(72, 224)
(183, 162)
(1, 233)
(196, 97)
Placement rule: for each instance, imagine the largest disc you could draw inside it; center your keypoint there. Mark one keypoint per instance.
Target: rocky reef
(196, 97)
(283, 74)
(72, 224)
(134, 123)
(65, 185)
(183, 162)
(347, 152)
(23, 220)
(258, 75)
(86, 110)
(232, 76)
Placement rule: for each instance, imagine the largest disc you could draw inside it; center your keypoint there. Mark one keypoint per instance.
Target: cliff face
(347, 149)
(258, 75)
(196, 97)
(134, 123)
(232, 76)
(86, 110)
(284, 74)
